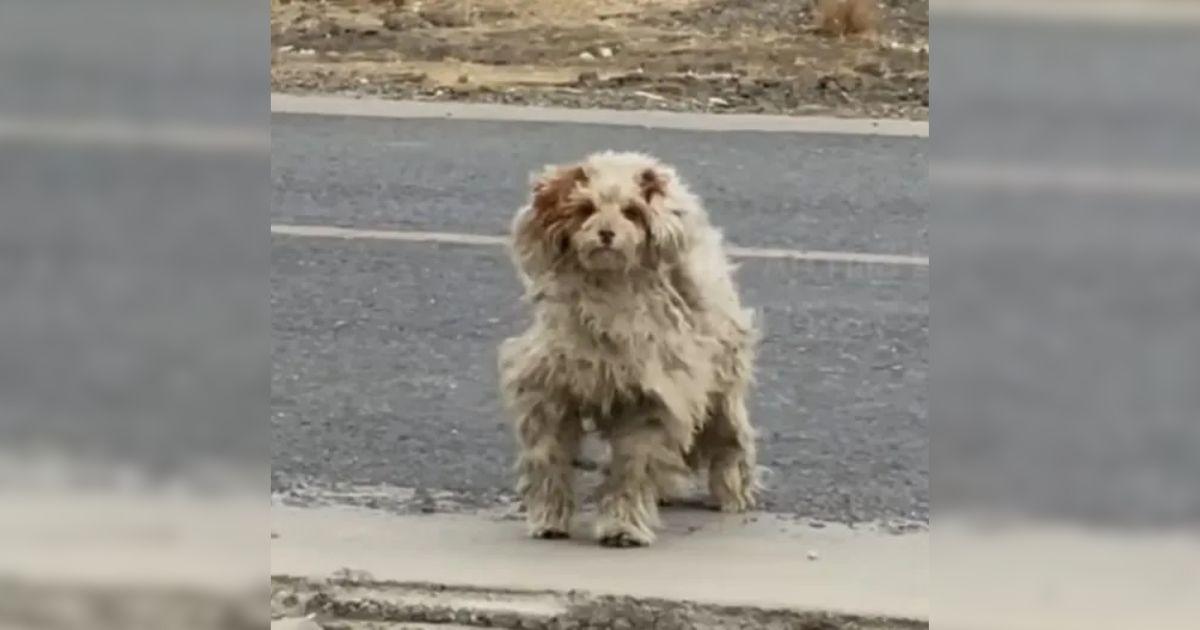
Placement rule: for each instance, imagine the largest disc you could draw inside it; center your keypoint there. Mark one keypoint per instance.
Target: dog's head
(614, 212)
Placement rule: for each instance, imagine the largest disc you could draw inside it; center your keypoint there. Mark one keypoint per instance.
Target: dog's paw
(622, 540)
(735, 504)
(734, 499)
(549, 533)
(623, 535)
(731, 507)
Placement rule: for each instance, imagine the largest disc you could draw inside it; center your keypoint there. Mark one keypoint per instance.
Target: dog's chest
(619, 346)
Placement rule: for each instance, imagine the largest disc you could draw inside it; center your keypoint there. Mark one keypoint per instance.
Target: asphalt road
(849, 193)
(384, 380)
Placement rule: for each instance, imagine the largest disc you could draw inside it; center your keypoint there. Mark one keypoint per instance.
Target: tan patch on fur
(554, 215)
(550, 195)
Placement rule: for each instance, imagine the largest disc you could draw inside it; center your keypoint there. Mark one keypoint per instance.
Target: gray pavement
(827, 192)
(384, 352)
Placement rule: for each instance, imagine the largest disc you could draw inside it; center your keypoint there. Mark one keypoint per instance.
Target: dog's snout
(607, 236)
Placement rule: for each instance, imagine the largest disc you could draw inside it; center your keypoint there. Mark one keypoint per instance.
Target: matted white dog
(638, 327)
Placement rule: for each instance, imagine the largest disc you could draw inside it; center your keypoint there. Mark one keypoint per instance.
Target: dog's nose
(607, 236)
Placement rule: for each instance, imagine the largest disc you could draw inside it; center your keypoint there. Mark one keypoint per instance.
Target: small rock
(650, 96)
(447, 17)
(605, 52)
(670, 89)
(287, 48)
(586, 56)
(403, 21)
(813, 554)
(363, 80)
(306, 52)
(717, 101)
(464, 78)
(873, 68)
(302, 623)
(588, 77)
(353, 575)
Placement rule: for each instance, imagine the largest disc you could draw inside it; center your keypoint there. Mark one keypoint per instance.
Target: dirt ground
(764, 56)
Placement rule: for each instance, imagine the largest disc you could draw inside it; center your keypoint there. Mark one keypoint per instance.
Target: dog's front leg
(629, 498)
(549, 438)
(728, 441)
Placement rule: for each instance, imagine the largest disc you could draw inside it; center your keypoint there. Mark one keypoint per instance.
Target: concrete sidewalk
(112, 555)
(707, 570)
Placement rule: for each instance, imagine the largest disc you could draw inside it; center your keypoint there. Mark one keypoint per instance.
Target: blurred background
(134, 332)
(1066, 314)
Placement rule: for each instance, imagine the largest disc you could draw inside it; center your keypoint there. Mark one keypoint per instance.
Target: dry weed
(846, 17)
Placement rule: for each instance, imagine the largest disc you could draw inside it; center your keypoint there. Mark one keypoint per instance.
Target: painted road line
(327, 231)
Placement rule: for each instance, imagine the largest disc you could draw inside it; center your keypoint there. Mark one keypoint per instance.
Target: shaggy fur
(637, 328)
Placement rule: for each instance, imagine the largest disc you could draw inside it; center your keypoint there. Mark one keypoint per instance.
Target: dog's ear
(664, 226)
(551, 189)
(540, 231)
(653, 182)
(666, 238)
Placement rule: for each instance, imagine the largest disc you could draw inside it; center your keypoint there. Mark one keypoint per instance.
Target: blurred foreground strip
(112, 559)
(127, 133)
(1034, 575)
(28, 606)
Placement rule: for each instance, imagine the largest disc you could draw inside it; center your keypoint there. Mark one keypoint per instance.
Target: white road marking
(382, 108)
(327, 231)
(131, 133)
(1069, 178)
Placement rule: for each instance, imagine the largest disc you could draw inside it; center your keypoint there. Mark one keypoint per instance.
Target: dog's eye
(586, 209)
(633, 213)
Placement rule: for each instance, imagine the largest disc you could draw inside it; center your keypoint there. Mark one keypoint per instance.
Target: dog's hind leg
(728, 443)
(549, 437)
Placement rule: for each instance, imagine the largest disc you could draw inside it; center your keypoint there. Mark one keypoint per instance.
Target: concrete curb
(385, 108)
(336, 604)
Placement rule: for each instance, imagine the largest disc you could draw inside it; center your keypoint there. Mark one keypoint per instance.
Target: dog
(638, 330)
